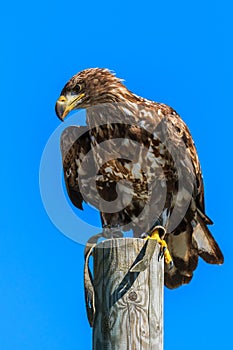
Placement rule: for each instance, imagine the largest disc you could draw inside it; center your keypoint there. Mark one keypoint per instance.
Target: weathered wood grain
(128, 305)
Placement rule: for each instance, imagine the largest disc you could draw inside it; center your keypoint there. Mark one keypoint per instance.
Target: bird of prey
(136, 162)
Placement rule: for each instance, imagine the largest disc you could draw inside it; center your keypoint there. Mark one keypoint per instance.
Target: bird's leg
(156, 233)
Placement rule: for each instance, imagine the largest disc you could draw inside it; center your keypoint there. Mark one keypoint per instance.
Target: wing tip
(215, 259)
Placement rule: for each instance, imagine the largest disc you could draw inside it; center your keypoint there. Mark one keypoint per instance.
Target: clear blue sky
(177, 52)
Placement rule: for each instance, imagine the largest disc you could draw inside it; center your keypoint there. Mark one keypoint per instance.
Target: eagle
(136, 162)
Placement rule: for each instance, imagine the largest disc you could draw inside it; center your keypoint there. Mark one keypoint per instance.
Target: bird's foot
(164, 252)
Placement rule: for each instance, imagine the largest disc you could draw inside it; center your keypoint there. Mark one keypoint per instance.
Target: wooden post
(128, 295)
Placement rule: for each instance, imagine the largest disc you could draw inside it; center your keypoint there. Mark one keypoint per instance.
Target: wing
(192, 237)
(74, 144)
(182, 137)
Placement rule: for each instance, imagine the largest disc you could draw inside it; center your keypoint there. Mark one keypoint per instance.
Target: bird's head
(88, 88)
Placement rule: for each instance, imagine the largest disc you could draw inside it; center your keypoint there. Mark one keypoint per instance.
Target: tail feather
(185, 248)
(185, 257)
(208, 248)
(174, 279)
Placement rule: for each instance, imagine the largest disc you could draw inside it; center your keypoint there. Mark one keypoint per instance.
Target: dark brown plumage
(136, 162)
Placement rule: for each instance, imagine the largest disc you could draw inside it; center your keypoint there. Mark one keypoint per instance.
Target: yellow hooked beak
(66, 104)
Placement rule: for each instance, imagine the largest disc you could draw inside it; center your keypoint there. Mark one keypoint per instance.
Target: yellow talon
(163, 246)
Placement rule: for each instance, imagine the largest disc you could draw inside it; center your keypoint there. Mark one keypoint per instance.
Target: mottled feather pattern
(159, 172)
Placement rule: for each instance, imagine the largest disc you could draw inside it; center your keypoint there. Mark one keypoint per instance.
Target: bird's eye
(78, 88)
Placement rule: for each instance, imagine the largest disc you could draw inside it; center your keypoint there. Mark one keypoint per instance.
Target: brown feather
(114, 112)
